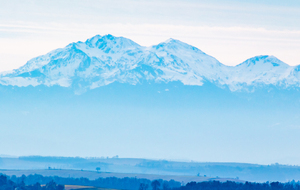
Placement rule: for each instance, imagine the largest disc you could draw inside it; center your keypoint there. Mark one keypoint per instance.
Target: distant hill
(94, 175)
(149, 169)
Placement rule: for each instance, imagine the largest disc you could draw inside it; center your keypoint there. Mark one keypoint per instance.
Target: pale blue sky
(231, 30)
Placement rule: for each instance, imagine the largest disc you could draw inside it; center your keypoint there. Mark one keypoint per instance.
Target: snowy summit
(102, 60)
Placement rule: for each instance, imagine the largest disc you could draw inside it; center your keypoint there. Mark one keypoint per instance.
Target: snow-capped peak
(262, 69)
(110, 43)
(101, 60)
(176, 45)
(263, 60)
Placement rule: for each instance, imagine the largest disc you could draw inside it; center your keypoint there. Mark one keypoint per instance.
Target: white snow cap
(102, 60)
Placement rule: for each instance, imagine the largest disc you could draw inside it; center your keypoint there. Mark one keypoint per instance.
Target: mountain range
(102, 60)
(109, 96)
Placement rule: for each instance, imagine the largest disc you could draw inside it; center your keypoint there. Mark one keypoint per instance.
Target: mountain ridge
(102, 60)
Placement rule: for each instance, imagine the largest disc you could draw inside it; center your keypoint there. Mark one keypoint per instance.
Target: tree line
(7, 184)
(109, 182)
(33, 182)
(230, 185)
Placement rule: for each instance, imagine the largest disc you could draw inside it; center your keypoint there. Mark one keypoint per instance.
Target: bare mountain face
(102, 60)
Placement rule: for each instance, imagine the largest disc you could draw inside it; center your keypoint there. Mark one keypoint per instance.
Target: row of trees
(7, 184)
(33, 182)
(155, 186)
(230, 185)
(109, 182)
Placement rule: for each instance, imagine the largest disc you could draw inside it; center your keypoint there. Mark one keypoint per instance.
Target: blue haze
(145, 121)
